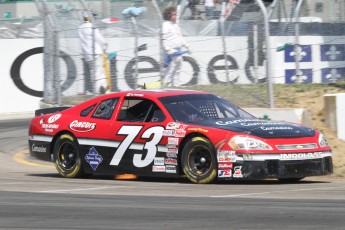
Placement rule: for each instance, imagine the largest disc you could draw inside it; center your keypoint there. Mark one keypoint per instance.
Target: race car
(175, 133)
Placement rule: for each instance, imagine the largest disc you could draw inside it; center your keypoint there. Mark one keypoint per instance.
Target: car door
(93, 132)
(136, 138)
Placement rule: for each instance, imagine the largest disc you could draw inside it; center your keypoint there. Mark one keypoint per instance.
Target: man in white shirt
(93, 51)
(174, 46)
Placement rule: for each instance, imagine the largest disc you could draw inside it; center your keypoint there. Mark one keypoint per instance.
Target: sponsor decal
(171, 161)
(158, 161)
(170, 133)
(180, 133)
(158, 168)
(171, 146)
(49, 127)
(226, 156)
(249, 122)
(178, 128)
(275, 128)
(225, 165)
(82, 126)
(238, 172)
(172, 125)
(181, 127)
(135, 95)
(198, 130)
(39, 149)
(173, 150)
(170, 169)
(224, 173)
(172, 155)
(54, 118)
(172, 141)
(232, 122)
(93, 158)
(300, 156)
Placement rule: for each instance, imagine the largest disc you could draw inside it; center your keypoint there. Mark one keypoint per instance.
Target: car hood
(261, 128)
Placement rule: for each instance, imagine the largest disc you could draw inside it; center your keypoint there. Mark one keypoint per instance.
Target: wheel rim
(67, 156)
(199, 160)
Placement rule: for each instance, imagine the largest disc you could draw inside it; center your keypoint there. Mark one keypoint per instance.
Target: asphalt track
(33, 196)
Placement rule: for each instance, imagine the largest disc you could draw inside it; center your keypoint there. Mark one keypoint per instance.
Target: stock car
(175, 133)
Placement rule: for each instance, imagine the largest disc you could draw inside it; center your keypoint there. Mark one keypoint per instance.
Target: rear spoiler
(50, 110)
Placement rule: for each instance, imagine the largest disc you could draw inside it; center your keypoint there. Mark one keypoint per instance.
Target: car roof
(145, 93)
(156, 93)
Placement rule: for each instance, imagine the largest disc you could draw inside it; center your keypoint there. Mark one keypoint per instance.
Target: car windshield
(201, 107)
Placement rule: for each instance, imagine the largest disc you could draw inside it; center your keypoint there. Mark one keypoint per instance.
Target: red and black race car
(172, 133)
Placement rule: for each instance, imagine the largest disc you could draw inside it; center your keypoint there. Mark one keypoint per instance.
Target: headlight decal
(322, 141)
(248, 143)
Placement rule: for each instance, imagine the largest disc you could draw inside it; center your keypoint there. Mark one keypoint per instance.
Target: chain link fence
(305, 44)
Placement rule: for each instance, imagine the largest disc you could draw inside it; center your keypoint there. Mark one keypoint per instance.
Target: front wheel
(198, 161)
(66, 157)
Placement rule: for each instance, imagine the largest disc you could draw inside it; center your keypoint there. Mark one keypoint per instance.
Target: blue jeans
(209, 12)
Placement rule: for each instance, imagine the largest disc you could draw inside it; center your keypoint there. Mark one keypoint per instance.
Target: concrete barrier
(335, 113)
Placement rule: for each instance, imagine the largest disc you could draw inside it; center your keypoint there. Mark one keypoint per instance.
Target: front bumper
(280, 169)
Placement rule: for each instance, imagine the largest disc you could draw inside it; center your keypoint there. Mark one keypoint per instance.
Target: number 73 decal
(131, 132)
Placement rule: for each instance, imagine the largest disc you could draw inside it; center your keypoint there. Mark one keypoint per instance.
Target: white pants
(100, 79)
(173, 71)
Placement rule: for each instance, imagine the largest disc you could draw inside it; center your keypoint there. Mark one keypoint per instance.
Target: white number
(150, 146)
(131, 132)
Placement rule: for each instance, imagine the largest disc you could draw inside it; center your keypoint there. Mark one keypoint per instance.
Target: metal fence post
(222, 29)
(161, 52)
(49, 91)
(296, 47)
(135, 26)
(268, 52)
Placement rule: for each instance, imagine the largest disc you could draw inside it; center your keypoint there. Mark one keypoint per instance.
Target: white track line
(284, 191)
(80, 189)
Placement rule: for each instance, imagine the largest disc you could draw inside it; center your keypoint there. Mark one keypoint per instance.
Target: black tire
(199, 161)
(66, 157)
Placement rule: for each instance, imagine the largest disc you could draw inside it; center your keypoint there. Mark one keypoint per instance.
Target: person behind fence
(209, 9)
(192, 6)
(174, 46)
(92, 51)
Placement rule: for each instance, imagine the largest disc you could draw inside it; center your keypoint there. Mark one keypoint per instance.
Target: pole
(222, 28)
(268, 52)
(135, 26)
(296, 47)
(161, 53)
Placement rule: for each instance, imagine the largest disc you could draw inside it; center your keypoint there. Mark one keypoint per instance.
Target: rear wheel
(66, 156)
(198, 161)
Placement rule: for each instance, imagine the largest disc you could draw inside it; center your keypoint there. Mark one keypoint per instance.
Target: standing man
(93, 46)
(174, 46)
(209, 9)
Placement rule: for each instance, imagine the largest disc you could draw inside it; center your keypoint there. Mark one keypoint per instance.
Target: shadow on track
(184, 180)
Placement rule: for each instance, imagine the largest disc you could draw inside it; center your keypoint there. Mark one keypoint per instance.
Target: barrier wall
(335, 113)
(320, 63)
